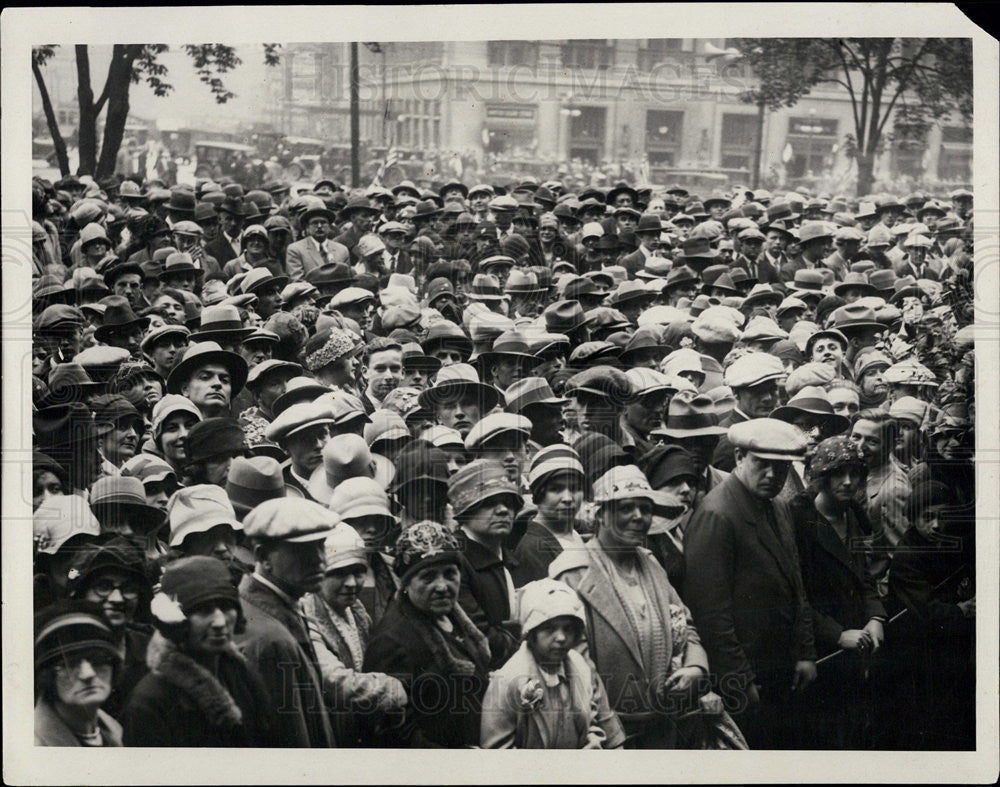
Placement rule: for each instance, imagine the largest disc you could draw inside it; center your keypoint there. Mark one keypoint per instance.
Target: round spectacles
(105, 587)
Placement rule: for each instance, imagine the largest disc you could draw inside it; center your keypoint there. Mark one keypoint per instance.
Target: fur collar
(445, 657)
(165, 659)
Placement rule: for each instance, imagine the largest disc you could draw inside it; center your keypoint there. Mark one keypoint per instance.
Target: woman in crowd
(429, 643)
(76, 658)
(199, 691)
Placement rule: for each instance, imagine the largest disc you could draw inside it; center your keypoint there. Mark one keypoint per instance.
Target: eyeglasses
(105, 587)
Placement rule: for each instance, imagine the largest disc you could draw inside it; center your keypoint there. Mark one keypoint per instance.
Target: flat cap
(290, 519)
(495, 424)
(713, 326)
(909, 408)
(769, 438)
(601, 381)
(753, 369)
(297, 417)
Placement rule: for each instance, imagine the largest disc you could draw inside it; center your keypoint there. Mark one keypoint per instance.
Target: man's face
(868, 437)
(763, 478)
(362, 220)
(508, 370)
(394, 240)
(596, 414)
(210, 387)
(96, 250)
(189, 243)
(812, 427)
(217, 467)
(269, 389)
(231, 224)
(318, 228)
(255, 352)
(167, 352)
(626, 222)
(460, 415)
(479, 201)
(845, 401)
(127, 339)
(298, 565)
(447, 356)
(416, 377)
(268, 300)
(775, 241)
(646, 413)
(305, 447)
(510, 450)
(758, 401)
(181, 281)
(546, 423)
(828, 351)
(359, 311)
(816, 249)
(129, 285)
(385, 372)
(624, 524)
(651, 240)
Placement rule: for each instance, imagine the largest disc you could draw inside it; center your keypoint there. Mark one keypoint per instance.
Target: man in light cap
(288, 537)
(744, 585)
(754, 379)
(912, 417)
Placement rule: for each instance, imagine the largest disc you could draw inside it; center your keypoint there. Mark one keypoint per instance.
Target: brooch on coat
(532, 696)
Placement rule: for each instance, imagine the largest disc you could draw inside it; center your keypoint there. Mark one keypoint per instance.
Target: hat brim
(278, 281)
(102, 332)
(907, 292)
(765, 299)
(782, 457)
(449, 392)
(229, 333)
(833, 420)
(701, 431)
(234, 363)
(859, 326)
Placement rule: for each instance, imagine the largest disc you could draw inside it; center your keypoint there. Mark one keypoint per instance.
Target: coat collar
(50, 730)
(752, 511)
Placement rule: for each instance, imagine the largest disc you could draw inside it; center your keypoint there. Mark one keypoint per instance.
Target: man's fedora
(118, 317)
(201, 353)
(691, 418)
(221, 321)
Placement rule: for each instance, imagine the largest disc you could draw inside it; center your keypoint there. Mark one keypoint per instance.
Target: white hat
(753, 369)
(344, 547)
(494, 424)
(545, 599)
(769, 438)
(591, 229)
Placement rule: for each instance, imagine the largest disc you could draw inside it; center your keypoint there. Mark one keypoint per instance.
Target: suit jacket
(745, 589)
(632, 262)
(484, 597)
(837, 576)
(349, 238)
(905, 268)
(723, 458)
(220, 248)
(767, 273)
(277, 645)
(302, 256)
(887, 493)
(837, 264)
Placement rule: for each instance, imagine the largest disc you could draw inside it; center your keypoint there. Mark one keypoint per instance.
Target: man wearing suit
(361, 214)
(314, 250)
(648, 232)
(815, 239)
(761, 265)
(744, 586)
(225, 246)
(395, 257)
(754, 380)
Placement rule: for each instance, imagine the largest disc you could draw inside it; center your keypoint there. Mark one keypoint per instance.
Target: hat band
(222, 325)
(685, 423)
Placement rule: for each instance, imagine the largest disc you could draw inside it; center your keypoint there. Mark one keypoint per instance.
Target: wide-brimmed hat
(347, 456)
(258, 278)
(512, 344)
(564, 317)
(695, 417)
(221, 321)
(177, 263)
(111, 495)
(531, 391)
(855, 281)
(453, 382)
(198, 509)
(814, 401)
(680, 276)
(298, 389)
(854, 317)
(447, 334)
(761, 295)
(252, 480)
(118, 316)
(202, 353)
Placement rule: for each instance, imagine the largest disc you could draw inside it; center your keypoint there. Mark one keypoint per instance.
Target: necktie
(323, 254)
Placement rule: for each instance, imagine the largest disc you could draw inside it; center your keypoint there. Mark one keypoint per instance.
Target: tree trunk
(88, 117)
(117, 91)
(50, 118)
(866, 173)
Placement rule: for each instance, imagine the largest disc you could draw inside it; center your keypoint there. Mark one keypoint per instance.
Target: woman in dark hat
(75, 664)
(115, 576)
(200, 690)
(431, 645)
(834, 540)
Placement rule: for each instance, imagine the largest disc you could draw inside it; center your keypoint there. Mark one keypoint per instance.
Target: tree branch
(50, 119)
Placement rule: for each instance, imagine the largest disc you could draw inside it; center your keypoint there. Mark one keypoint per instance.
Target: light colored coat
(886, 496)
(303, 255)
(50, 730)
(507, 723)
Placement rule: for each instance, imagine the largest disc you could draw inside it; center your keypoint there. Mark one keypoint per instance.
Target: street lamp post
(355, 118)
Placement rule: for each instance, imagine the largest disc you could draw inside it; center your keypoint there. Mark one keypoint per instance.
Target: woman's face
(683, 488)
(118, 594)
(170, 307)
(156, 321)
(625, 523)
(83, 680)
(844, 483)
(45, 485)
(173, 437)
(211, 626)
(561, 498)
(434, 589)
(340, 587)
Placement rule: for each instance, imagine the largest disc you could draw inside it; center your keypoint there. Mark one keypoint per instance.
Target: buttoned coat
(887, 493)
(745, 589)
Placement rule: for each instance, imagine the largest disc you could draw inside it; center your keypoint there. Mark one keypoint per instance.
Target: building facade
(672, 104)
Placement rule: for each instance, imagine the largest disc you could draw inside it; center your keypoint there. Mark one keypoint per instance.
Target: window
(587, 53)
(512, 53)
(663, 129)
(658, 50)
(739, 140)
(955, 165)
(586, 133)
(812, 140)
(957, 134)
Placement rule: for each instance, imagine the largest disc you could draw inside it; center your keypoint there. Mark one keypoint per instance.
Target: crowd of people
(506, 466)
